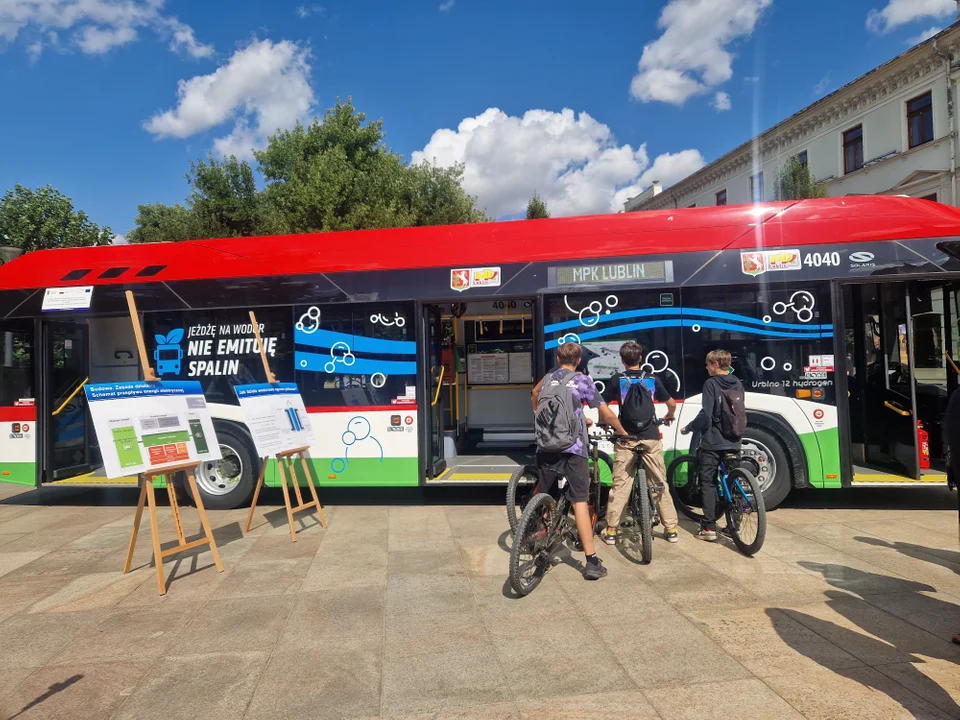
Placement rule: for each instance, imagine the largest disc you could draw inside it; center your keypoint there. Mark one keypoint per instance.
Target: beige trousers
(624, 464)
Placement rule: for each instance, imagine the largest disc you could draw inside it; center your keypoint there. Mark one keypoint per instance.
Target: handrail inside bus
(952, 363)
(436, 398)
(897, 409)
(70, 397)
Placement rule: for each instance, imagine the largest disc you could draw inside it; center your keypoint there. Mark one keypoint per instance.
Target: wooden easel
(285, 459)
(148, 495)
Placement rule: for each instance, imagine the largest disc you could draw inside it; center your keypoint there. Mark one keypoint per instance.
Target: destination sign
(628, 272)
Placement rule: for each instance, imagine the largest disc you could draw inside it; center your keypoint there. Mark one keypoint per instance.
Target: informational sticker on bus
(147, 426)
(67, 298)
(465, 278)
(276, 417)
(757, 262)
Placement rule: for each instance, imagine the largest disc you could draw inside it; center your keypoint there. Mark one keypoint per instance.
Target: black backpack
(732, 412)
(636, 403)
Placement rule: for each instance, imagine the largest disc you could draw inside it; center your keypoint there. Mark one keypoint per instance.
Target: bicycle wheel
(636, 538)
(685, 486)
(746, 514)
(530, 554)
(519, 491)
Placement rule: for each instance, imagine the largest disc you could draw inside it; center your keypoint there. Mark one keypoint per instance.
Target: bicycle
(524, 481)
(739, 497)
(544, 524)
(636, 530)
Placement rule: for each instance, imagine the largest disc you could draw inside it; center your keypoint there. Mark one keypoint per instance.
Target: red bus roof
(806, 222)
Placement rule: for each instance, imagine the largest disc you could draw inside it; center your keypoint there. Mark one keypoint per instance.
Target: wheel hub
(761, 454)
(220, 477)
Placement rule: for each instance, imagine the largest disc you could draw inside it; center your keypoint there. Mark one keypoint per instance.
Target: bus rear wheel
(773, 468)
(228, 483)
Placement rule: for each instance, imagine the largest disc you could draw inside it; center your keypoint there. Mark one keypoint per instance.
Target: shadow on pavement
(51, 691)
(938, 556)
(881, 637)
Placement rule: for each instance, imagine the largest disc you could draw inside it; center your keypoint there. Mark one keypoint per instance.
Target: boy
(713, 443)
(571, 462)
(633, 379)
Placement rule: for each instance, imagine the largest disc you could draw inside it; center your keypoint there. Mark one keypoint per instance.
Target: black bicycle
(524, 480)
(642, 516)
(546, 522)
(739, 497)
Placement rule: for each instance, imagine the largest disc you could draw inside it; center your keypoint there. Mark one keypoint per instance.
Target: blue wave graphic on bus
(690, 322)
(687, 312)
(351, 365)
(326, 339)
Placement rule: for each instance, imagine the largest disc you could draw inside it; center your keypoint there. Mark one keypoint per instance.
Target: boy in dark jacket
(713, 444)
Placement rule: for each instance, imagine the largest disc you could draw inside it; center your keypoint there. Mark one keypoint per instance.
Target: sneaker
(708, 534)
(594, 571)
(671, 536)
(610, 538)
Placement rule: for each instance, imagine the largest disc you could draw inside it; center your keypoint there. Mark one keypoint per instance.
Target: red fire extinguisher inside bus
(923, 442)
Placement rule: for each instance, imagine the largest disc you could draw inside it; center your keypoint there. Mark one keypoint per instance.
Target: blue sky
(92, 104)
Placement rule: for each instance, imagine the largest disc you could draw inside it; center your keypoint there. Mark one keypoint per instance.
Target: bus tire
(758, 444)
(229, 483)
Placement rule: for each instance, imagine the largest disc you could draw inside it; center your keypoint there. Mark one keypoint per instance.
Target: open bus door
(70, 442)
(18, 414)
(880, 326)
(431, 391)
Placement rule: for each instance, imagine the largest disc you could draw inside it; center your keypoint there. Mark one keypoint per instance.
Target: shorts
(573, 467)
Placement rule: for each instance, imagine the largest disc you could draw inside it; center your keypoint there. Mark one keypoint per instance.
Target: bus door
(431, 390)
(18, 412)
(879, 340)
(69, 434)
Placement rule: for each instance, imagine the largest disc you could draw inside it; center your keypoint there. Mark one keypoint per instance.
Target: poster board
(143, 427)
(488, 369)
(276, 417)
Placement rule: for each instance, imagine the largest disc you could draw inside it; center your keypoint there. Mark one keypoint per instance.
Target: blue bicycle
(738, 498)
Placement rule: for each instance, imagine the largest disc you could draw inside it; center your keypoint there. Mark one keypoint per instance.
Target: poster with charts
(276, 417)
(147, 426)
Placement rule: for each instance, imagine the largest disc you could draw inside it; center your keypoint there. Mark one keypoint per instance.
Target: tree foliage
(43, 219)
(334, 174)
(795, 182)
(537, 208)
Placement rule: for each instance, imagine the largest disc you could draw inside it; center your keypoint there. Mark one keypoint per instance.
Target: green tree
(794, 181)
(44, 219)
(335, 174)
(537, 208)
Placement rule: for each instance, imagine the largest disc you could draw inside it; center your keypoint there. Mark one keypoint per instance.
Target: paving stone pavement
(405, 612)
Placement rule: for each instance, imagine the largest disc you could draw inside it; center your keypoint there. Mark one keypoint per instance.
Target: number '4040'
(815, 259)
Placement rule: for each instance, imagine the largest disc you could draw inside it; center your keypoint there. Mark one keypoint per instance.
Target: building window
(802, 158)
(920, 120)
(756, 187)
(931, 198)
(691, 206)
(722, 197)
(853, 149)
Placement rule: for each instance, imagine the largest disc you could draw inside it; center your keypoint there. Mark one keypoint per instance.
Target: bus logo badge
(460, 279)
(752, 263)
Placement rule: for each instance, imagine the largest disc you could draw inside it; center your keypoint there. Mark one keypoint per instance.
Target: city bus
(415, 349)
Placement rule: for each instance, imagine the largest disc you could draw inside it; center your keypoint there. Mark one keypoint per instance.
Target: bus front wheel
(774, 476)
(228, 483)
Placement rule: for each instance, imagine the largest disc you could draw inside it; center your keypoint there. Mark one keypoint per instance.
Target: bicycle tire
(682, 497)
(518, 496)
(757, 507)
(639, 534)
(540, 506)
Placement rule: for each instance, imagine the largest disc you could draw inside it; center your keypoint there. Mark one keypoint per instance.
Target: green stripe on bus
(18, 473)
(359, 472)
(822, 449)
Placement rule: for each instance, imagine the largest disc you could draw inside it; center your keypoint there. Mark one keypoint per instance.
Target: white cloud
(821, 87)
(305, 11)
(572, 160)
(98, 25)
(691, 56)
(446, 6)
(262, 87)
(902, 12)
(721, 102)
(925, 35)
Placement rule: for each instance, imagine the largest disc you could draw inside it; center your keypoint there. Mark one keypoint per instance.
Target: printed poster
(146, 426)
(276, 417)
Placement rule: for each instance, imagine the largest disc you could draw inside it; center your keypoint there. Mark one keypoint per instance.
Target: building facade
(891, 131)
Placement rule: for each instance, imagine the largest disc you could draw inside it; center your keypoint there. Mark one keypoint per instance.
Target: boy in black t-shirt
(633, 379)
